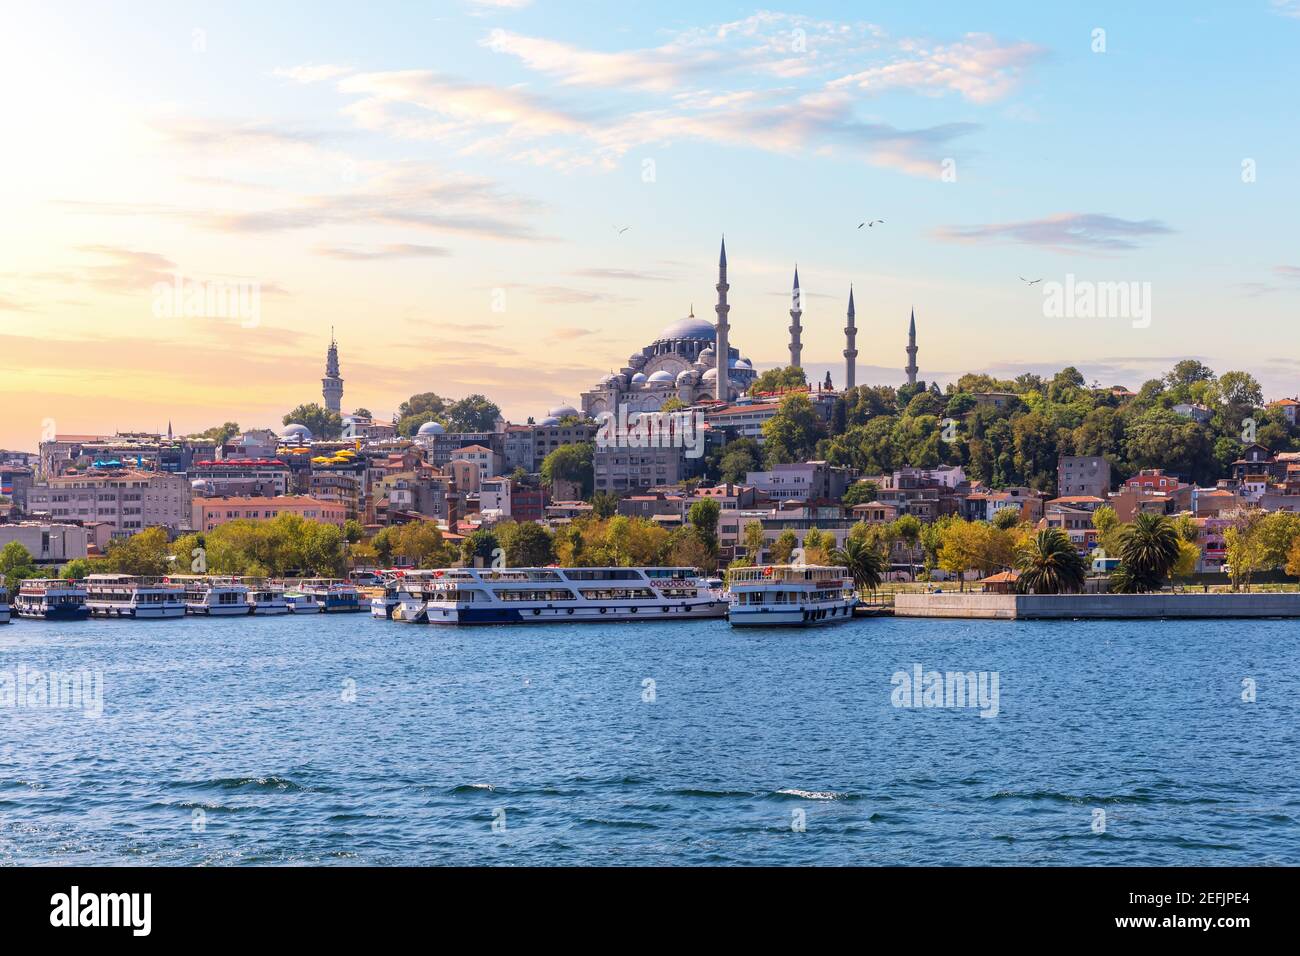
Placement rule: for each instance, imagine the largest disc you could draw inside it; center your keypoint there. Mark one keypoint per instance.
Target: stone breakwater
(1011, 607)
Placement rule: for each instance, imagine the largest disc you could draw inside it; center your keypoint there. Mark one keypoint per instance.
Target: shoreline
(1030, 607)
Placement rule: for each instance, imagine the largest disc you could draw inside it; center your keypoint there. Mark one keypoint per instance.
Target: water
(543, 729)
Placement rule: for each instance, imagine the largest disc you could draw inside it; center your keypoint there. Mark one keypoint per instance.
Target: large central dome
(689, 328)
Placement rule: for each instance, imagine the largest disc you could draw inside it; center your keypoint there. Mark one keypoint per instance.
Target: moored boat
(213, 596)
(332, 596)
(300, 602)
(128, 595)
(265, 598)
(790, 595)
(4, 602)
(536, 595)
(51, 599)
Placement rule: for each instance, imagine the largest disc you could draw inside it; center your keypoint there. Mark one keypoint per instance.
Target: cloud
(658, 70)
(979, 68)
(402, 250)
(1287, 8)
(569, 333)
(620, 274)
(311, 72)
(1064, 232)
(127, 270)
(564, 295)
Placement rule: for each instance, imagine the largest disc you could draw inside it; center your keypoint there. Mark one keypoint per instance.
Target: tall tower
(911, 369)
(850, 352)
(722, 391)
(332, 384)
(796, 312)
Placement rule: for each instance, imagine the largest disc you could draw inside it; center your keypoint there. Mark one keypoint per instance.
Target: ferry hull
(268, 610)
(55, 613)
(4, 614)
(221, 610)
(740, 616)
(138, 613)
(383, 607)
(593, 614)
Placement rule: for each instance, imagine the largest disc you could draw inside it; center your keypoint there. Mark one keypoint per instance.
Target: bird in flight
(622, 230)
(869, 224)
(1030, 281)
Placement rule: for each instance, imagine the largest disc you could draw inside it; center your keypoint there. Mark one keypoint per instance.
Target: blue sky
(442, 184)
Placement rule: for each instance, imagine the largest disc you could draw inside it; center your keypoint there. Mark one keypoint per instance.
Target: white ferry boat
(331, 596)
(791, 595)
(126, 595)
(264, 598)
(300, 602)
(383, 604)
(414, 592)
(51, 599)
(524, 595)
(213, 596)
(4, 602)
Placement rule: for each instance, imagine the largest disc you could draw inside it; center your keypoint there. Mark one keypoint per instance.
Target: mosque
(683, 362)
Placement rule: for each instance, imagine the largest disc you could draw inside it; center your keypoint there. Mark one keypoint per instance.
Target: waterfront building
(128, 499)
(488, 461)
(259, 477)
(142, 450)
(802, 481)
(620, 470)
(15, 480)
(1083, 475)
(48, 542)
(209, 513)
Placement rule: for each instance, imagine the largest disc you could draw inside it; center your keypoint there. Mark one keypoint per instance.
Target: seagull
(623, 230)
(869, 224)
(1030, 281)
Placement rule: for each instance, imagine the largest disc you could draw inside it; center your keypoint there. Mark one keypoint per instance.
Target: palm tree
(862, 561)
(1149, 550)
(1049, 564)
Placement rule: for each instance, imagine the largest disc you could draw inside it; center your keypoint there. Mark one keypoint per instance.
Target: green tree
(778, 379)
(353, 531)
(480, 548)
(320, 421)
(223, 433)
(860, 493)
(783, 548)
(16, 565)
(1149, 550)
(863, 562)
(703, 516)
(145, 553)
(526, 544)
(418, 409)
(78, 568)
(571, 463)
(1049, 564)
(604, 504)
(791, 434)
(474, 413)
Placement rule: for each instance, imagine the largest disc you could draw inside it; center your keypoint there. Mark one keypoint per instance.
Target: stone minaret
(332, 384)
(911, 369)
(850, 352)
(721, 346)
(796, 312)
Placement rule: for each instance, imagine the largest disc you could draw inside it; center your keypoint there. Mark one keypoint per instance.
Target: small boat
(51, 599)
(790, 595)
(4, 603)
(128, 595)
(414, 591)
(265, 599)
(332, 596)
(539, 595)
(213, 596)
(301, 602)
(382, 605)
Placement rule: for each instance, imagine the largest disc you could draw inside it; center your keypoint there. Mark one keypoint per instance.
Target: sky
(509, 197)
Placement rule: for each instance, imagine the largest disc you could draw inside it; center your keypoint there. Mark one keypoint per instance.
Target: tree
(1189, 555)
(703, 517)
(78, 568)
(783, 548)
(1049, 564)
(353, 530)
(572, 463)
(860, 493)
(223, 433)
(320, 421)
(604, 504)
(791, 434)
(1004, 519)
(779, 379)
(1109, 528)
(145, 553)
(362, 413)
(863, 562)
(817, 546)
(960, 549)
(526, 544)
(1149, 550)
(739, 458)
(752, 541)
(418, 409)
(16, 565)
(480, 548)
(687, 548)
(474, 413)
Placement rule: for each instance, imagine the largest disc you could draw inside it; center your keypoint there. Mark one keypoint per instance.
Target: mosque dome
(710, 375)
(608, 381)
(741, 363)
(708, 356)
(563, 411)
(549, 420)
(636, 360)
(431, 428)
(687, 377)
(638, 380)
(661, 377)
(689, 328)
(296, 432)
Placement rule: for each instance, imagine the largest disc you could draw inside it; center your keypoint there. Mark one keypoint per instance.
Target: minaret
(722, 392)
(796, 312)
(850, 353)
(911, 369)
(332, 384)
